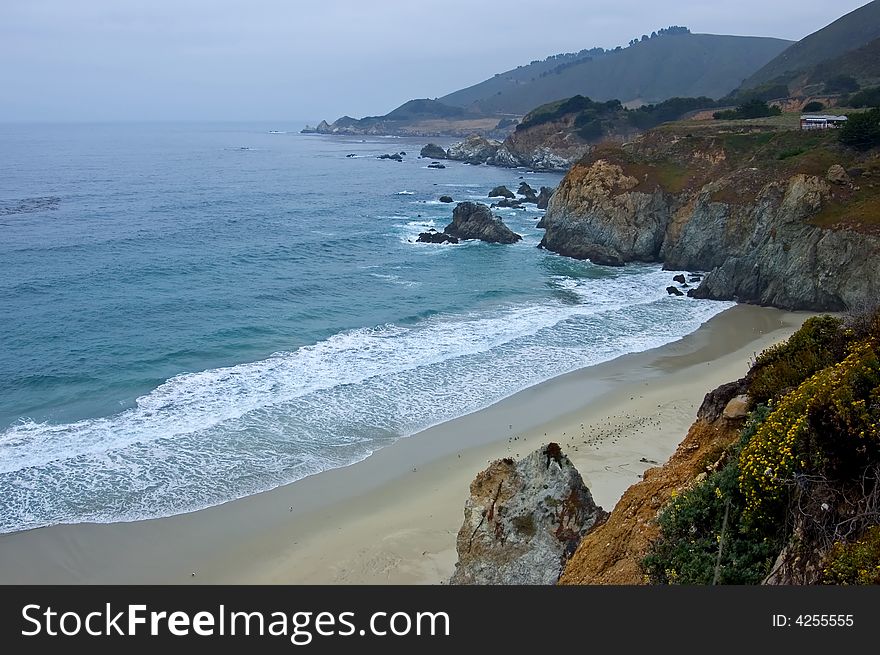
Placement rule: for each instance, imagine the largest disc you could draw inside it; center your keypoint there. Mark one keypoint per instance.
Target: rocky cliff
(783, 218)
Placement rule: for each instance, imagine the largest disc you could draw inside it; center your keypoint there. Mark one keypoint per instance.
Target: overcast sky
(286, 59)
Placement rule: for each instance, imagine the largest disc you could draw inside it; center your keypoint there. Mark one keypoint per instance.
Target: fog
(96, 60)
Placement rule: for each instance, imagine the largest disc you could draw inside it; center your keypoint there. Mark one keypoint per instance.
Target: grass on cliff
(803, 480)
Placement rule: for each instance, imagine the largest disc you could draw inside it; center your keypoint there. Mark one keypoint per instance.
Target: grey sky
(277, 60)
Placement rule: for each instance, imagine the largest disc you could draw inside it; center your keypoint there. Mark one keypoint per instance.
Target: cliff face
(613, 551)
(766, 216)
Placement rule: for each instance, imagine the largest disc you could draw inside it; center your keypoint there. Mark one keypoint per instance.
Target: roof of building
(823, 117)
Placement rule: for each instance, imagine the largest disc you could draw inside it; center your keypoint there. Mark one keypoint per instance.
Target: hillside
(847, 33)
(862, 64)
(651, 70)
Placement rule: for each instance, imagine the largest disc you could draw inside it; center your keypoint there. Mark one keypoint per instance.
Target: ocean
(191, 313)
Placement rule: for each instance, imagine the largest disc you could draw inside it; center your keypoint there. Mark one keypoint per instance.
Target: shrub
(854, 563)
(862, 131)
(813, 106)
(821, 341)
(750, 109)
(692, 529)
(828, 426)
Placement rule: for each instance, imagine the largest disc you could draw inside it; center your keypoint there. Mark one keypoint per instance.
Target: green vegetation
(855, 563)
(587, 112)
(803, 479)
(862, 131)
(848, 33)
(749, 109)
(865, 98)
(648, 116)
(819, 343)
(813, 107)
(673, 64)
(842, 84)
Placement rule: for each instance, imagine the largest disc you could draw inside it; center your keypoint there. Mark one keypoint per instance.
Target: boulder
(435, 164)
(501, 192)
(674, 291)
(523, 520)
(737, 409)
(350, 155)
(433, 236)
(432, 151)
(597, 254)
(446, 199)
(544, 197)
(508, 203)
(474, 220)
(679, 278)
(838, 175)
(395, 156)
(525, 189)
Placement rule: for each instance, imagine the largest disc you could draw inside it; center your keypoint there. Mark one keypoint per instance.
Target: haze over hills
(848, 33)
(650, 70)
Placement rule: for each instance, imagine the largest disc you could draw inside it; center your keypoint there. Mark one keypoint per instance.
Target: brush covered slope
(786, 493)
(813, 53)
(650, 70)
(775, 216)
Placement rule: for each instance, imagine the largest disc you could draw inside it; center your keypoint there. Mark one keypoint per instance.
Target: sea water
(190, 313)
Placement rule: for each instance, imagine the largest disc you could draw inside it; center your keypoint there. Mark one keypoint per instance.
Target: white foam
(260, 424)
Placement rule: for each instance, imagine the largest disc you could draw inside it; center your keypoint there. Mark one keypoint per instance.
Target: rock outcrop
(474, 150)
(544, 197)
(446, 199)
(474, 220)
(501, 192)
(433, 236)
(523, 520)
(699, 203)
(432, 151)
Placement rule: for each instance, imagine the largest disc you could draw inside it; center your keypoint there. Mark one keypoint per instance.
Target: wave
(261, 424)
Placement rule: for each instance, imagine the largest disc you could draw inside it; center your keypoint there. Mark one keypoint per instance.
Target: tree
(862, 131)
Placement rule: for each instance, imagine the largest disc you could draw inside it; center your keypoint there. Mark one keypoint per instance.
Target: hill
(862, 64)
(670, 64)
(848, 33)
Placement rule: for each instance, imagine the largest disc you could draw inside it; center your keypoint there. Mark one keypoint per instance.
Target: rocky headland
(781, 218)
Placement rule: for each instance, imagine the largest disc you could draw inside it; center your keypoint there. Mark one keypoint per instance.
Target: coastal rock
(523, 520)
(508, 203)
(525, 189)
(474, 220)
(433, 236)
(446, 199)
(435, 164)
(837, 175)
(507, 159)
(597, 254)
(674, 291)
(395, 156)
(474, 150)
(750, 229)
(679, 278)
(432, 151)
(544, 197)
(350, 155)
(501, 192)
(737, 408)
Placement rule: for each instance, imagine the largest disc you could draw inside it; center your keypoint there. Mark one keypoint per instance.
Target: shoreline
(393, 517)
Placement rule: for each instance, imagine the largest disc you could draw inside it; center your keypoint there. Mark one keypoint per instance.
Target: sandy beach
(393, 517)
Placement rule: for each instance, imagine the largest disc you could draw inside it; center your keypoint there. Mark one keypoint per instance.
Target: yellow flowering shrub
(829, 425)
(857, 562)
